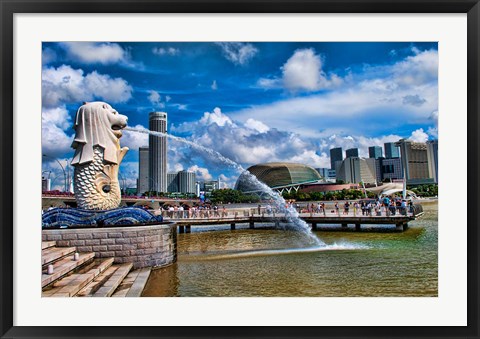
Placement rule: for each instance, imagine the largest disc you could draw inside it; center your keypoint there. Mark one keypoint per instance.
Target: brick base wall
(144, 246)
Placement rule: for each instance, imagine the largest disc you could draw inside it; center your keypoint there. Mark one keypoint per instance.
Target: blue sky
(252, 102)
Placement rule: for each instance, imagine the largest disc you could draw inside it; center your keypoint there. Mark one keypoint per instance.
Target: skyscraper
(336, 154)
(391, 150)
(158, 152)
(375, 152)
(172, 182)
(415, 162)
(352, 152)
(143, 175)
(186, 181)
(355, 170)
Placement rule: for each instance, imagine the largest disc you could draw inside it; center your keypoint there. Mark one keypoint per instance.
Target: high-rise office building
(354, 170)
(391, 169)
(432, 155)
(375, 152)
(391, 150)
(143, 184)
(336, 154)
(182, 182)
(172, 182)
(186, 181)
(158, 152)
(351, 153)
(415, 161)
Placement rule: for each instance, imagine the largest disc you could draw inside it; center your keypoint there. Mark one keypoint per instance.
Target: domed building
(278, 176)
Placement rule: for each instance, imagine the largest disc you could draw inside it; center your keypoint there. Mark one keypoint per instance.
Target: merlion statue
(98, 155)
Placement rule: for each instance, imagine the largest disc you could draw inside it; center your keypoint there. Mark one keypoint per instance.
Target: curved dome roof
(277, 174)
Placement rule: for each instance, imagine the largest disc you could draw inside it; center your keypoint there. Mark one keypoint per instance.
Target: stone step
(47, 244)
(72, 284)
(98, 282)
(112, 283)
(64, 266)
(52, 254)
(133, 284)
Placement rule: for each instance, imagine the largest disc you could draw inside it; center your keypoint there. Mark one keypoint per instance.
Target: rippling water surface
(270, 262)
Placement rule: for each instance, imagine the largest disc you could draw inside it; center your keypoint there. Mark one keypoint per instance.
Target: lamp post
(63, 169)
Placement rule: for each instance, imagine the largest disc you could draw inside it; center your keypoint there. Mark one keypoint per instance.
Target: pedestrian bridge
(342, 221)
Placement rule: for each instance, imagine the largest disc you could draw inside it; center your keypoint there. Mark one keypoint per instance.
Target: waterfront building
(336, 154)
(375, 152)
(181, 182)
(172, 182)
(143, 184)
(327, 174)
(415, 162)
(355, 170)
(186, 181)
(432, 155)
(158, 152)
(391, 150)
(351, 153)
(280, 176)
(391, 169)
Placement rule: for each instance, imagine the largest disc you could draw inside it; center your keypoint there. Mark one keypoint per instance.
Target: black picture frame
(10, 7)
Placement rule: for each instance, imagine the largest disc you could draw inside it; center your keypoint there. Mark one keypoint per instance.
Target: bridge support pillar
(181, 229)
(314, 226)
(252, 224)
(188, 229)
(344, 224)
(402, 227)
(357, 227)
(232, 226)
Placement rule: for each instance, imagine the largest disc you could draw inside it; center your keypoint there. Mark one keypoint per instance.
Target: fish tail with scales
(95, 185)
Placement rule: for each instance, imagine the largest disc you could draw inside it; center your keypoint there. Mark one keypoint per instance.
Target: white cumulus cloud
(95, 52)
(67, 85)
(55, 142)
(256, 125)
(419, 135)
(200, 173)
(303, 71)
(215, 117)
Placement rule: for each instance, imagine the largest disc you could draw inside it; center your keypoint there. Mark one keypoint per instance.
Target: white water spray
(290, 212)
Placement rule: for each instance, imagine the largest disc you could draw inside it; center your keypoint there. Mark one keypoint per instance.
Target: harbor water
(265, 261)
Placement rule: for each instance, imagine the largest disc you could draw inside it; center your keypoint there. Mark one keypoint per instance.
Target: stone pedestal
(144, 246)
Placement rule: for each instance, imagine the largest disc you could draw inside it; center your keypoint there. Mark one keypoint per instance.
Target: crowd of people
(388, 206)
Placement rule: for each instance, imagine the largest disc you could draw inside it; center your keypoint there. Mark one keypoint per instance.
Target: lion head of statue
(97, 124)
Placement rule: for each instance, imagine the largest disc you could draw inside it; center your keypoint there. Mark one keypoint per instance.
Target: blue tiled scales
(74, 217)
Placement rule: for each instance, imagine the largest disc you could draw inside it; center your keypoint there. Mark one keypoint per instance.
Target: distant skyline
(251, 102)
